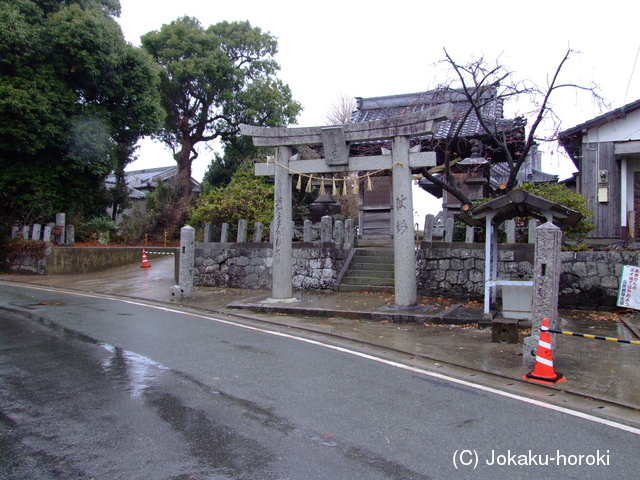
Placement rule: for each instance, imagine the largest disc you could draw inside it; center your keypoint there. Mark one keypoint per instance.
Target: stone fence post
(533, 224)
(510, 227)
(70, 235)
(46, 236)
(448, 230)
(257, 232)
(306, 231)
(350, 232)
(339, 232)
(326, 229)
(60, 222)
(470, 234)
(242, 231)
(429, 222)
(224, 234)
(36, 231)
(184, 289)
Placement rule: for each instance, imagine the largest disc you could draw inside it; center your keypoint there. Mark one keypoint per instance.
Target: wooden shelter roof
(520, 203)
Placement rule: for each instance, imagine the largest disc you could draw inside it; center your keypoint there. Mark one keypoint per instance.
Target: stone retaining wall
(316, 265)
(457, 269)
(588, 280)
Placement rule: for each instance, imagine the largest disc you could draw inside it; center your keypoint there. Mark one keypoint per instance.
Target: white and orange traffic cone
(145, 263)
(543, 369)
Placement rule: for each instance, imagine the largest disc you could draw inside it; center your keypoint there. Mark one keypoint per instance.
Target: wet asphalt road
(104, 389)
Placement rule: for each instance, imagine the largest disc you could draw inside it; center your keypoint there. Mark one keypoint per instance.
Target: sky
(359, 48)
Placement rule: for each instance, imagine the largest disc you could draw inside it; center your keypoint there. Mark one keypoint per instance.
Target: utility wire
(631, 77)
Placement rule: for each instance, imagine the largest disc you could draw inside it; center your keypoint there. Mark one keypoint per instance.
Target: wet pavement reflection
(84, 409)
(595, 369)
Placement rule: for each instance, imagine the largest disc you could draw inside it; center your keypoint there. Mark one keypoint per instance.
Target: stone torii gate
(336, 140)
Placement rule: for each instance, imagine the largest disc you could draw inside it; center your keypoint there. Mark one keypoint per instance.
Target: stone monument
(546, 280)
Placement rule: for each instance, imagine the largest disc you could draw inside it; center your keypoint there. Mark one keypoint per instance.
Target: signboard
(628, 293)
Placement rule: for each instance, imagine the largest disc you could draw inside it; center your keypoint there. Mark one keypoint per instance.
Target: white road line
(391, 363)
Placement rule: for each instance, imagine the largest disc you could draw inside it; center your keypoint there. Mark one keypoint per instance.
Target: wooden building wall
(606, 215)
(376, 214)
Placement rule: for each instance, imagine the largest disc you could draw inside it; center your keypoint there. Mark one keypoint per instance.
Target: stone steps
(370, 270)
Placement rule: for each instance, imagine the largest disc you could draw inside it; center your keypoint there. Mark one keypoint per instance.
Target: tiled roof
(142, 181)
(500, 175)
(376, 108)
(145, 179)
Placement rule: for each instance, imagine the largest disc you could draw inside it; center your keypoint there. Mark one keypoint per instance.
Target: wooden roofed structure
(516, 203)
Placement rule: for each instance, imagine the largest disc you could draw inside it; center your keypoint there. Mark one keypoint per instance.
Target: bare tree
(480, 83)
(340, 112)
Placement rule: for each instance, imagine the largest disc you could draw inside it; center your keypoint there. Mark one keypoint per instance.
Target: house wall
(606, 215)
(620, 130)
(598, 154)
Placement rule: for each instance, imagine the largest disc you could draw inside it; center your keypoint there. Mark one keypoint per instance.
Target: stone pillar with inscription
(282, 288)
(546, 281)
(402, 228)
(184, 289)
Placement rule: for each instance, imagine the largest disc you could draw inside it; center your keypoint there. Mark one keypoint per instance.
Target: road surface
(94, 387)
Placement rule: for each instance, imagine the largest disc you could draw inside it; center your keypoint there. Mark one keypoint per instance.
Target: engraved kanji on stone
(401, 226)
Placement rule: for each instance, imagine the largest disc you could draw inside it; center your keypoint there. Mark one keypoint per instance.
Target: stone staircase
(370, 270)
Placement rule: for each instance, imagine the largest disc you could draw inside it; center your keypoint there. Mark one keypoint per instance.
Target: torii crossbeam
(336, 141)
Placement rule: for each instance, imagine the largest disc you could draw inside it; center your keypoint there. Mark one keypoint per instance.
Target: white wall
(621, 129)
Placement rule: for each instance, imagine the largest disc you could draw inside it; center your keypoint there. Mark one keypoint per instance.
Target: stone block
(457, 264)
(579, 269)
(242, 261)
(476, 276)
(504, 331)
(506, 255)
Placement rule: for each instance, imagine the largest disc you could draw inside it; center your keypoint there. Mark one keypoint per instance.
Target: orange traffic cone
(145, 263)
(543, 369)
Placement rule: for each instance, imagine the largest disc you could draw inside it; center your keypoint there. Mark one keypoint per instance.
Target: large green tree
(74, 99)
(213, 80)
(228, 203)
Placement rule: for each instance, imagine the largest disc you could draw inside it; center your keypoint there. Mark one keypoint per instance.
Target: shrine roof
(377, 108)
(520, 203)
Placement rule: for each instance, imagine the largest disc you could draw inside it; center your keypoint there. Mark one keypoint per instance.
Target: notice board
(628, 293)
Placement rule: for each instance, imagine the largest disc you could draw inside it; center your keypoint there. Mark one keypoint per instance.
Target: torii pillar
(403, 247)
(282, 281)
(336, 148)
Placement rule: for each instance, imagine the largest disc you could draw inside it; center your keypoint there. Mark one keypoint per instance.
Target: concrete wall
(316, 265)
(78, 260)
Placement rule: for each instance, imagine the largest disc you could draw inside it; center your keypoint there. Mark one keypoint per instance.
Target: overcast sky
(365, 49)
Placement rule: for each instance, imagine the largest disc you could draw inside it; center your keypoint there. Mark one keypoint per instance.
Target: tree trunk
(183, 186)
